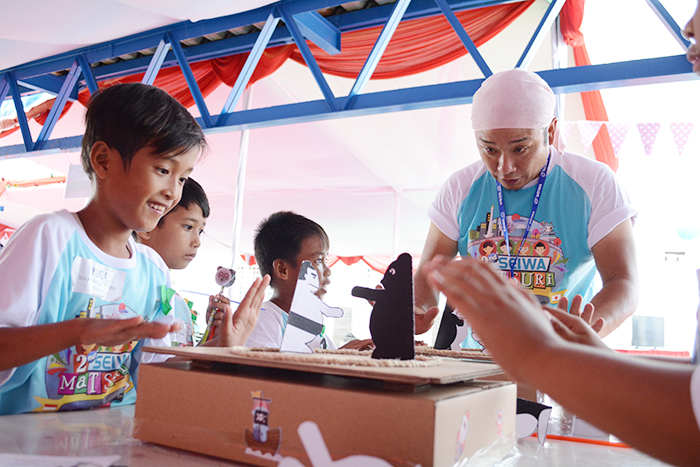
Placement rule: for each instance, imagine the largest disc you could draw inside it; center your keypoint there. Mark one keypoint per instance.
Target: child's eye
(183, 180)
(201, 232)
(163, 171)
(187, 227)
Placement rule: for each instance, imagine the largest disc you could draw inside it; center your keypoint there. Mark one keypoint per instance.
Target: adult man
(525, 193)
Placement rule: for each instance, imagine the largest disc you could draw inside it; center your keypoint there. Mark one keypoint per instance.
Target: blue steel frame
(302, 22)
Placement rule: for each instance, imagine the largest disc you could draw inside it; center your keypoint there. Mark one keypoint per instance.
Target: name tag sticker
(97, 280)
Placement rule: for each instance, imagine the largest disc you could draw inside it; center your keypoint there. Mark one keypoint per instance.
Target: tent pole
(240, 181)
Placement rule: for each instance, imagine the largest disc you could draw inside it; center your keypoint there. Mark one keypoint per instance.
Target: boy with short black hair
(282, 242)
(176, 239)
(78, 292)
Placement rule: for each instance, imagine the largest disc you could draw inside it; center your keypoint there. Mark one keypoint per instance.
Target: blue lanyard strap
(502, 210)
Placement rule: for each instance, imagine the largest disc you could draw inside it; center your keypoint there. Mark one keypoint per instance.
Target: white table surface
(104, 432)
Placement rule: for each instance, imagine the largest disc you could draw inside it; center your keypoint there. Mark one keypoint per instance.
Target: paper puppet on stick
(392, 321)
(452, 332)
(305, 320)
(530, 417)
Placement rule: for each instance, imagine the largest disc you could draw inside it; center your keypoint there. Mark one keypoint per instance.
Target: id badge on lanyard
(535, 203)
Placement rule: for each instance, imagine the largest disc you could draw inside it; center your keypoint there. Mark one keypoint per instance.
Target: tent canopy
(367, 178)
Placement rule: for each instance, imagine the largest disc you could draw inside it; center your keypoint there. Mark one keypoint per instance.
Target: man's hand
(575, 326)
(586, 314)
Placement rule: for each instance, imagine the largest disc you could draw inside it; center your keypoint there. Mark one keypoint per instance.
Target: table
(104, 432)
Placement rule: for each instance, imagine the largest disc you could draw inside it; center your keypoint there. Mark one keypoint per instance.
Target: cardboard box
(432, 425)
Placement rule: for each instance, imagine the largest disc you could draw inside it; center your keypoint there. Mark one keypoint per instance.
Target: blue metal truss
(301, 23)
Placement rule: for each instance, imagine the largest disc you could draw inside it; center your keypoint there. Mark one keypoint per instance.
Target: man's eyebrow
(510, 142)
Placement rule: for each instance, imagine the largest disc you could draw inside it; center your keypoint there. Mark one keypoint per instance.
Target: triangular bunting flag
(648, 132)
(566, 130)
(681, 133)
(618, 133)
(588, 130)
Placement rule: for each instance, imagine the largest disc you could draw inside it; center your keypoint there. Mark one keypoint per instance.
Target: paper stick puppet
(392, 321)
(225, 278)
(452, 332)
(306, 314)
(531, 416)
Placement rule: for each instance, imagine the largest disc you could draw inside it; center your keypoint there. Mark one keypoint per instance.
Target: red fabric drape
(418, 45)
(571, 16)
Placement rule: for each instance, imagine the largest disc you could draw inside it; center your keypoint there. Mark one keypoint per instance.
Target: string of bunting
(619, 132)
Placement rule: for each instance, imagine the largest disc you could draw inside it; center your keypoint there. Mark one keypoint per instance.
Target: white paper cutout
(526, 424)
(78, 183)
(462, 332)
(316, 450)
(305, 320)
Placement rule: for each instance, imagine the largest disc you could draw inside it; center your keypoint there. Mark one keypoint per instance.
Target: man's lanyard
(502, 209)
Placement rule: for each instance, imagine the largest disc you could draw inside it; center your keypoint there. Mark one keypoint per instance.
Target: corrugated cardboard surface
(448, 371)
(355, 416)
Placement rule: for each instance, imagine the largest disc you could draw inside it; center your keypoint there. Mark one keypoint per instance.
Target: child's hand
(359, 344)
(111, 332)
(215, 306)
(236, 327)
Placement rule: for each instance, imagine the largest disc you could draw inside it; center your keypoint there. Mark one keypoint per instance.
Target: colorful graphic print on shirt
(541, 265)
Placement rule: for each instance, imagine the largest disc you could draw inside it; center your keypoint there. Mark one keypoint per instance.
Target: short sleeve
(445, 208)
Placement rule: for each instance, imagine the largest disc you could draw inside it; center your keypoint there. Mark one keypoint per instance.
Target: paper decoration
(305, 320)
(452, 332)
(618, 133)
(462, 436)
(392, 320)
(263, 441)
(648, 132)
(588, 130)
(78, 183)
(317, 452)
(530, 417)
(681, 133)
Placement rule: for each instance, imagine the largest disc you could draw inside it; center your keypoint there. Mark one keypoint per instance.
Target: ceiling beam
(562, 81)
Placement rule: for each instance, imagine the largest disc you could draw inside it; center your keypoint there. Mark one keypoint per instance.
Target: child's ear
(100, 158)
(280, 269)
